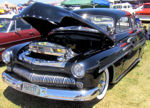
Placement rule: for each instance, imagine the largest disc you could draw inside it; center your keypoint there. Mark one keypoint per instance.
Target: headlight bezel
(7, 56)
(76, 73)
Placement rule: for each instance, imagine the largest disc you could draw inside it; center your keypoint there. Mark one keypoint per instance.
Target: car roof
(114, 13)
(9, 16)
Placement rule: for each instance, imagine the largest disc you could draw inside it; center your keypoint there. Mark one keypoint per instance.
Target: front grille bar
(43, 79)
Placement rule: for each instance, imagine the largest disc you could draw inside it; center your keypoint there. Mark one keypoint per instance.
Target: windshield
(104, 22)
(146, 6)
(4, 24)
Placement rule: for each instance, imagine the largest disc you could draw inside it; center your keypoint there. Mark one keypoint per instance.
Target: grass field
(133, 91)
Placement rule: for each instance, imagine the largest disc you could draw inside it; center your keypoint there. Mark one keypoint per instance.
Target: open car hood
(45, 17)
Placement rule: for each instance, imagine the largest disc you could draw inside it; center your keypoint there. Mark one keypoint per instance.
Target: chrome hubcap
(102, 82)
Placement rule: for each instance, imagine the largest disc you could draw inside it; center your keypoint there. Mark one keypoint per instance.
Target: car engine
(46, 54)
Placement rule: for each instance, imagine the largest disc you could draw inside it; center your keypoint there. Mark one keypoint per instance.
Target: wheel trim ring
(101, 95)
(103, 81)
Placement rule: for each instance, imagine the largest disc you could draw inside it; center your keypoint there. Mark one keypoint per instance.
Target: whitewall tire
(103, 84)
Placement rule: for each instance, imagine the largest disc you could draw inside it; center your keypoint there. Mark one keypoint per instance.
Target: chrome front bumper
(57, 94)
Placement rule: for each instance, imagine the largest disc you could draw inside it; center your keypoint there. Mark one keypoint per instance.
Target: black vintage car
(81, 52)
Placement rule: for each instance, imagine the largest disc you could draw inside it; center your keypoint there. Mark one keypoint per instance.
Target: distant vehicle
(123, 6)
(13, 32)
(2, 11)
(71, 7)
(144, 14)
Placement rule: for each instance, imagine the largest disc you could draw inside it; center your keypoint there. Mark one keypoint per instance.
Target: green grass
(133, 91)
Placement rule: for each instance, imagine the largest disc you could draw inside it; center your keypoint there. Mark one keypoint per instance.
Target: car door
(23, 32)
(140, 35)
(126, 34)
(18, 32)
(134, 40)
(26, 31)
(6, 37)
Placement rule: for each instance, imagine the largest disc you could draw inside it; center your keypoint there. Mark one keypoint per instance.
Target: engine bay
(78, 43)
(58, 48)
(47, 50)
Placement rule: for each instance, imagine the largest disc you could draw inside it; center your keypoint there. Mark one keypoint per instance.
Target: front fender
(15, 49)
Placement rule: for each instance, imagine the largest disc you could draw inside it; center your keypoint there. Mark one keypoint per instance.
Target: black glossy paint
(45, 17)
(120, 55)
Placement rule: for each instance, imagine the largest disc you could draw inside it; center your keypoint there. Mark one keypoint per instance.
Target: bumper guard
(49, 93)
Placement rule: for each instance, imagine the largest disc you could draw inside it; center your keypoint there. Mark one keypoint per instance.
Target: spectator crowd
(7, 8)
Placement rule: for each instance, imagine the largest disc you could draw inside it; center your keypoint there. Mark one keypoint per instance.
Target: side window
(129, 6)
(12, 29)
(133, 24)
(22, 25)
(122, 24)
(125, 6)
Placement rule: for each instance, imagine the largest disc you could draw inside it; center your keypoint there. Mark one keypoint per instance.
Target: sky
(23, 1)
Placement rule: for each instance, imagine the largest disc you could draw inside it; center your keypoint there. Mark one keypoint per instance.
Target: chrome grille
(43, 79)
(40, 62)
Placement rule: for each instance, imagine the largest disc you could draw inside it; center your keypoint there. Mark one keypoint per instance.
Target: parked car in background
(144, 14)
(13, 32)
(87, 50)
(123, 6)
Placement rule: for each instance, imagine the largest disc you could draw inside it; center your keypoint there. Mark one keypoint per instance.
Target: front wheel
(103, 84)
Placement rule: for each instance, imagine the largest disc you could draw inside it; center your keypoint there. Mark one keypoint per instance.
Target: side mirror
(110, 31)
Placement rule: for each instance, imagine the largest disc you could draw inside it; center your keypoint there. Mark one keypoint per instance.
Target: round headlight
(6, 56)
(78, 70)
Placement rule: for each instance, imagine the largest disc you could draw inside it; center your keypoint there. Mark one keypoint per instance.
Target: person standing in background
(146, 32)
(6, 8)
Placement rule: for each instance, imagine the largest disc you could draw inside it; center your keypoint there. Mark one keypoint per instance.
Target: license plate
(31, 88)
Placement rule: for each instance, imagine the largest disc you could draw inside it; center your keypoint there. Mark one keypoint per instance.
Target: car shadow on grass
(111, 86)
(29, 101)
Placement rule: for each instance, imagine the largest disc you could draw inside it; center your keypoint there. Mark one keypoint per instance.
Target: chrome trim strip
(57, 94)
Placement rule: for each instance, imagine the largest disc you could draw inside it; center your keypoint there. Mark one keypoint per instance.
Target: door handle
(18, 34)
(31, 33)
